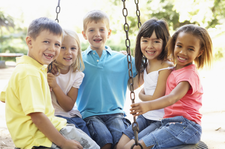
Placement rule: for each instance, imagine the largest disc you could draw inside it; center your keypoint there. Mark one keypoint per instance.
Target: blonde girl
(66, 83)
(190, 48)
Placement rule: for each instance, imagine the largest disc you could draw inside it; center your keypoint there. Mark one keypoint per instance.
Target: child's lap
(107, 128)
(78, 122)
(174, 131)
(145, 127)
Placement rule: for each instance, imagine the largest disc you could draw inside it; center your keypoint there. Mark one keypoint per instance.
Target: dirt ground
(213, 110)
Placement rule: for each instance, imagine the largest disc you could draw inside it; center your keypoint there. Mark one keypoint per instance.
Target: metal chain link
(138, 13)
(58, 8)
(129, 60)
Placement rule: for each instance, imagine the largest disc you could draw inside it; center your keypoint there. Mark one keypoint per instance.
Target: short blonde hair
(78, 64)
(95, 15)
(205, 43)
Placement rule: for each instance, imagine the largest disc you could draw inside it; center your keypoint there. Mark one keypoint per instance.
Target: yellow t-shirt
(28, 92)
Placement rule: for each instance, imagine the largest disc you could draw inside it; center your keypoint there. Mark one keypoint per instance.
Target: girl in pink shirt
(182, 120)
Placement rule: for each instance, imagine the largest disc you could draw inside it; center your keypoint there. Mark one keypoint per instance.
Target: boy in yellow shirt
(29, 111)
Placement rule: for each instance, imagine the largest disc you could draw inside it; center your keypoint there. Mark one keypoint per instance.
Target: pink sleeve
(192, 78)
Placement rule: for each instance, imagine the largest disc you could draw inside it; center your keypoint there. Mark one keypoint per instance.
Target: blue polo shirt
(103, 90)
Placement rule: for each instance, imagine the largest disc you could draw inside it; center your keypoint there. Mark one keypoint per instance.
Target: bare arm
(160, 87)
(177, 93)
(46, 127)
(65, 101)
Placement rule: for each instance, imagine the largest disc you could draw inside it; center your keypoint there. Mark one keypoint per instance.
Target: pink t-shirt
(189, 105)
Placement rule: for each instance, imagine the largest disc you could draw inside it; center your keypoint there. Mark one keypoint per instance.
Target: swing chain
(58, 8)
(138, 13)
(129, 60)
(57, 20)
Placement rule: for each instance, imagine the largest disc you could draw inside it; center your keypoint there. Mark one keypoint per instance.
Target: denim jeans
(173, 132)
(145, 127)
(78, 122)
(106, 129)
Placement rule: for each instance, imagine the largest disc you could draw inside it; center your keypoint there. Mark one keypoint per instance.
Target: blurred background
(16, 15)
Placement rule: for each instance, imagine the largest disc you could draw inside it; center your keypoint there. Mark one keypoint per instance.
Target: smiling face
(187, 48)
(68, 53)
(96, 33)
(45, 48)
(151, 47)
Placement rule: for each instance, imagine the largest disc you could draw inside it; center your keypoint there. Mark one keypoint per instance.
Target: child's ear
(109, 32)
(200, 53)
(84, 35)
(29, 42)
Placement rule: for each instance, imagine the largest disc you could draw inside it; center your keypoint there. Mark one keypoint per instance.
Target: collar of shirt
(107, 49)
(28, 60)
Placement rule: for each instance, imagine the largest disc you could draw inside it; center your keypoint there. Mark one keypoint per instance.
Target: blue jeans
(173, 132)
(78, 122)
(106, 129)
(145, 127)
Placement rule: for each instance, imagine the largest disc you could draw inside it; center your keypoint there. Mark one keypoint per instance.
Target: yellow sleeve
(2, 94)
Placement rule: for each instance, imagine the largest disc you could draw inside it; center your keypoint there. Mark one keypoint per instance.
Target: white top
(66, 82)
(150, 83)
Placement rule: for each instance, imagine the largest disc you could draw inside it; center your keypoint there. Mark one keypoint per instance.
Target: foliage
(12, 38)
(206, 13)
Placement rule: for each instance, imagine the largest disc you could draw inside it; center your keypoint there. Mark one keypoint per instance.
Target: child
(151, 43)
(183, 99)
(102, 93)
(29, 111)
(65, 85)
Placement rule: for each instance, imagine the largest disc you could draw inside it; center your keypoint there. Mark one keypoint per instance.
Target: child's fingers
(133, 105)
(134, 113)
(54, 70)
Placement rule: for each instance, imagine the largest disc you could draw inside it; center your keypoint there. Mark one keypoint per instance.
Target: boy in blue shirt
(102, 93)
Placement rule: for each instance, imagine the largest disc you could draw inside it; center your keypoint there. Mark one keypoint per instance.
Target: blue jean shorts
(78, 122)
(106, 129)
(173, 132)
(145, 127)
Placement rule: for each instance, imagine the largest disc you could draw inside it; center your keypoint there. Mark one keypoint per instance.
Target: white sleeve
(78, 79)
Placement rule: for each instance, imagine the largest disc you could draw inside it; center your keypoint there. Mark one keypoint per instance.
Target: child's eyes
(46, 42)
(63, 47)
(191, 49)
(73, 49)
(101, 30)
(178, 46)
(144, 40)
(157, 41)
(58, 45)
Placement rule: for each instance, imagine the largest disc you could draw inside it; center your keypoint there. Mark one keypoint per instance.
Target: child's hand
(51, 80)
(72, 144)
(123, 52)
(54, 70)
(139, 108)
